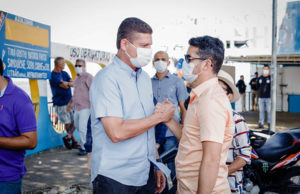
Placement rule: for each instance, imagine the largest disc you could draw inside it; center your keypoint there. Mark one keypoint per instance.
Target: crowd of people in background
(126, 119)
(260, 95)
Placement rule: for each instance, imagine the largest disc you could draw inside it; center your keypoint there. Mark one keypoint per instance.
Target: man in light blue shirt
(122, 115)
(167, 86)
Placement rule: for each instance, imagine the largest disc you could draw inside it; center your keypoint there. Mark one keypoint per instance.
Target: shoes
(67, 142)
(75, 145)
(260, 126)
(82, 152)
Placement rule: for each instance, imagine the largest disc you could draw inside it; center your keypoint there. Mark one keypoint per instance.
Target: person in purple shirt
(17, 133)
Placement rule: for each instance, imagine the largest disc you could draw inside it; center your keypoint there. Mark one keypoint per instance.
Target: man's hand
(64, 85)
(68, 108)
(165, 110)
(71, 83)
(160, 181)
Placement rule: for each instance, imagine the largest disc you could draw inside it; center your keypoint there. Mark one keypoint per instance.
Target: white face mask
(266, 72)
(160, 66)
(78, 70)
(187, 72)
(143, 57)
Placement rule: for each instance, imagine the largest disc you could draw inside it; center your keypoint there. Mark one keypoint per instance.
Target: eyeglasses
(78, 65)
(188, 58)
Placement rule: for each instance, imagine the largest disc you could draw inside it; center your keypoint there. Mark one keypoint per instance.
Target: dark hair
(267, 66)
(80, 60)
(210, 48)
(57, 59)
(228, 90)
(129, 26)
(256, 73)
(1, 67)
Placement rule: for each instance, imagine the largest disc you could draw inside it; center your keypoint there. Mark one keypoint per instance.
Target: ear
(169, 63)
(208, 64)
(123, 44)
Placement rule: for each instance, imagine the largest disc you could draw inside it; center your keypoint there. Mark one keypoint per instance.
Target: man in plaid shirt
(240, 149)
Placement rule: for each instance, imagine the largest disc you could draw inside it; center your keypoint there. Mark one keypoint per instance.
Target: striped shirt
(240, 147)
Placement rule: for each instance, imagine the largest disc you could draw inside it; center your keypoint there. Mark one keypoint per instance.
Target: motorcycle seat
(279, 145)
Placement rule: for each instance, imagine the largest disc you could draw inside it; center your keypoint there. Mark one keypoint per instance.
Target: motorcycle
(273, 162)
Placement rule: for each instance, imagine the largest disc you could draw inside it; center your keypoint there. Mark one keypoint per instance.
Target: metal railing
(58, 126)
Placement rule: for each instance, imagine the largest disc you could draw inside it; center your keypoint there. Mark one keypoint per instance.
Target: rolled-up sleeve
(105, 97)
(212, 119)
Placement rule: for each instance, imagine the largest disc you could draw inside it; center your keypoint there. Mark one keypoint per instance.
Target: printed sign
(72, 53)
(24, 47)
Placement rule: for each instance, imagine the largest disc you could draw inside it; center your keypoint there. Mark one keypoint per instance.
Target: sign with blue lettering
(24, 47)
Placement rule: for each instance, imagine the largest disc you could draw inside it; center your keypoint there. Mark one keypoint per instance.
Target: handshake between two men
(165, 110)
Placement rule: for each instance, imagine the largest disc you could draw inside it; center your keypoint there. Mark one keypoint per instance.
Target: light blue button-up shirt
(118, 91)
(173, 88)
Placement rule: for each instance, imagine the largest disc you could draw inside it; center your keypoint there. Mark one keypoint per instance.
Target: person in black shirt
(264, 94)
(254, 91)
(242, 89)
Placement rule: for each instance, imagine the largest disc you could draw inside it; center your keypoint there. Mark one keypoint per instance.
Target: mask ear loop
(126, 49)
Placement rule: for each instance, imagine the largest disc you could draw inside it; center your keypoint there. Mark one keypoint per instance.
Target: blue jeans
(89, 139)
(81, 118)
(170, 142)
(264, 105)
(11, 187)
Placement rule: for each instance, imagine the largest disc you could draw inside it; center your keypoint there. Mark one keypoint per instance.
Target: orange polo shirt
(208, 118)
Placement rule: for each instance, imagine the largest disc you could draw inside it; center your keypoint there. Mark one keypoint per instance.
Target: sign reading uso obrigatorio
(24, 47)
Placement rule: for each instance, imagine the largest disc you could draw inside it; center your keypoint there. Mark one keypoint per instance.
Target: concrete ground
(284, 120)
(63, 171)
(56, 171)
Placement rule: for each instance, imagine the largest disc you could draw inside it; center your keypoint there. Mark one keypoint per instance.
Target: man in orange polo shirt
(208, 125)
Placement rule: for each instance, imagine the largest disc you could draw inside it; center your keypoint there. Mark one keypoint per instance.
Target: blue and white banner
(24, 47)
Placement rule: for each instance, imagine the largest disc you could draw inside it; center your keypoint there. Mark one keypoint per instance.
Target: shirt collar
(205, 85)
(167, 76)
(9, 88)
(126, 67)
(2, 91)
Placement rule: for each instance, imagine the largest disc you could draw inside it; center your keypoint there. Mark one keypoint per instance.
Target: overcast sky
(94, 23)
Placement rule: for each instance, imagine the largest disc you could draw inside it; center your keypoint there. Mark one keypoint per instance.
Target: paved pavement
(63, 171)
(56, 170)
(284, 120)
